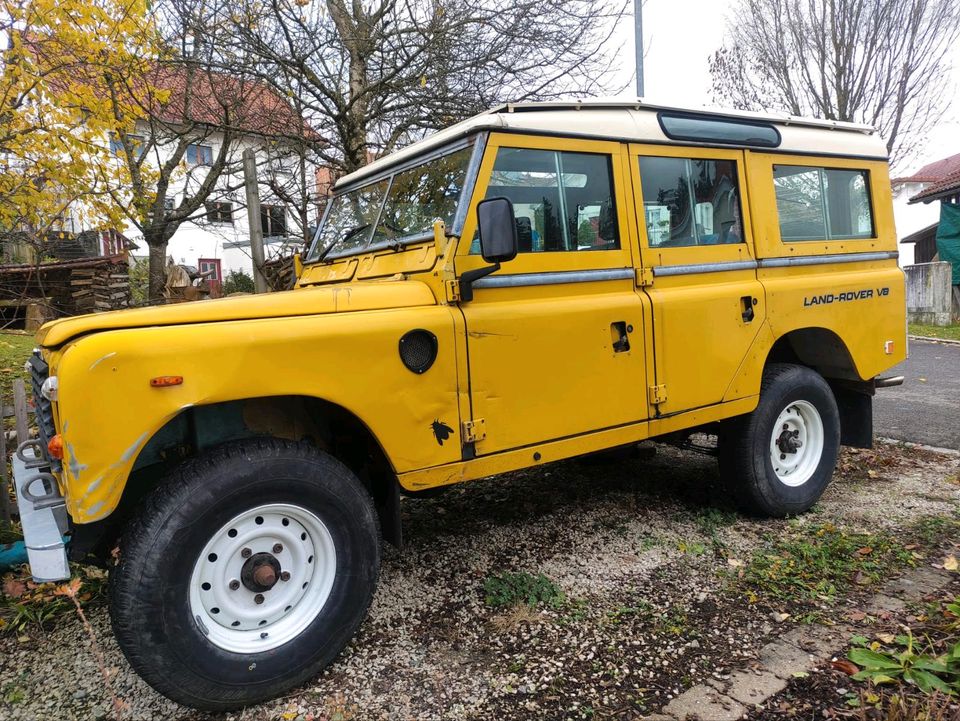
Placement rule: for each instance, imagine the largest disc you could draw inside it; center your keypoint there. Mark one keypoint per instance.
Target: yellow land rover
(538, 282)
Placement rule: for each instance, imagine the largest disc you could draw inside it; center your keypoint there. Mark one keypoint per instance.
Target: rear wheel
(779, 459)
(247, 572)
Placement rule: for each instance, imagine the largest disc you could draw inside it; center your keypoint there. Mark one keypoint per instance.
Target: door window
(690, 201)
(563, 201)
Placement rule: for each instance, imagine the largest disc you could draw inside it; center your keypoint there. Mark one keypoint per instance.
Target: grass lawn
(949, 332)
(15, 348)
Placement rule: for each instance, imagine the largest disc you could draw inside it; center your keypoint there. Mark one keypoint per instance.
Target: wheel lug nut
(234, 585)
(285, 575)
(258, 598)
(783, 456)
(786, 427)
(277, 548)
(246, 553)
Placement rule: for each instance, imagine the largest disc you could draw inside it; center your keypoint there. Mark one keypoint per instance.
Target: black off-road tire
(149, 589)
(745, 459)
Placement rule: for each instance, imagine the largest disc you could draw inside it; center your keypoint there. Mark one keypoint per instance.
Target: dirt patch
(646, 554)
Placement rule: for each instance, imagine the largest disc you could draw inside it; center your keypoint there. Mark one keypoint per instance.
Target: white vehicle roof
(636, 121)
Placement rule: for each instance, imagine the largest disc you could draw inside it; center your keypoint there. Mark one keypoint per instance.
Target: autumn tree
(880, 62)
(373, 75)
(183, 150)
(53, 114)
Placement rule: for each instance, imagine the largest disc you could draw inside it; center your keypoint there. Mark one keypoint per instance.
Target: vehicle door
(701, 273)
(554, 338)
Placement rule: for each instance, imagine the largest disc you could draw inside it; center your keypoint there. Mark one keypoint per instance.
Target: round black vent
(418, 350)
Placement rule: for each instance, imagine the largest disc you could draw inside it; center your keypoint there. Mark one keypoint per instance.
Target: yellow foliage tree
(59, 106)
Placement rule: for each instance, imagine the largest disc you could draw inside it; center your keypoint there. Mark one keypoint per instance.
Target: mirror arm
(469, 277)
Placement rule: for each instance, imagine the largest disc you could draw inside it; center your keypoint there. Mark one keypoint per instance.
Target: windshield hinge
(475, 430)
(658, 394)
(453, 291)
(644, 277)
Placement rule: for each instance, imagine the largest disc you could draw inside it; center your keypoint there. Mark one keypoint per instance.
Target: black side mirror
(498, 230)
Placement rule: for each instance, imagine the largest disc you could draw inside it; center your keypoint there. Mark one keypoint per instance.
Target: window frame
(693, 157)
(215, 208)
(767, 223)
(266, 213)
(561, 260)
(198, 161)
(139, 147)
(694, 255)
(563, 205)
(824, 200)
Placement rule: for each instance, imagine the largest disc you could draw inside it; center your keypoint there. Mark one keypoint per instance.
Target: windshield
(415, 198)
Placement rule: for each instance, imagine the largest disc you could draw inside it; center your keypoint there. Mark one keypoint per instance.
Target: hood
(304, 301)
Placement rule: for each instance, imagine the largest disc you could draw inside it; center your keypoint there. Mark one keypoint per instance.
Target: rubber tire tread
(133, 588)
(743, 441)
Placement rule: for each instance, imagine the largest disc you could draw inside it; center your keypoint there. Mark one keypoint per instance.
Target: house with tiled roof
(917, 216)
(199, 107)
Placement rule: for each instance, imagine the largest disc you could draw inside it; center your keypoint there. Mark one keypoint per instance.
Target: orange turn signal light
(55, 447)
(166, 381)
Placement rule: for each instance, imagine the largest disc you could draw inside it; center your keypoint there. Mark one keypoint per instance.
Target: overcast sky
(680, 36)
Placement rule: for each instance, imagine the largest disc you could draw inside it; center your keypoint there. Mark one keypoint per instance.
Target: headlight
(49, 389)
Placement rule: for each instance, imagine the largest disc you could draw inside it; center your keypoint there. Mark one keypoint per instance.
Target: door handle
(618, 336)
(746, 307)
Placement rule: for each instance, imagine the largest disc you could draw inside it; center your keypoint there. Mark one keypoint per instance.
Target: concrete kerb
(930, 339)
(920, 446)
(798, 651)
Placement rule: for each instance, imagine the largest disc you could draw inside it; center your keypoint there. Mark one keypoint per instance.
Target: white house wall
(911, 218)
(230, 243)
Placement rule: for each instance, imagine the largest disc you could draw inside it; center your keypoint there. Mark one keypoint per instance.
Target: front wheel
(247, 572)
(779, 459)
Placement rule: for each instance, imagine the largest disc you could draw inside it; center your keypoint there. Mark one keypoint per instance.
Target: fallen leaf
(950, 563)
(886, 637)
(14, 588)
(847, 667)
(865, 551)
(872, 473)
(735, 562)
(856, 615)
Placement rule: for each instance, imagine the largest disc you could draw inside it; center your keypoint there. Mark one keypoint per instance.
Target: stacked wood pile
(31, 293)
(279, 273)
(100, 287)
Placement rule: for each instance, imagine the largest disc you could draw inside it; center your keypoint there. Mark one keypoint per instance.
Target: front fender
(107, 410)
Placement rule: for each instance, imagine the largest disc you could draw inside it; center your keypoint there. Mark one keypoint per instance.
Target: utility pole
(638, 35)
(253, 219)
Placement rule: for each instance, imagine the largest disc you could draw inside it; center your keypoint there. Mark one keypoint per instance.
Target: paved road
(926, 408)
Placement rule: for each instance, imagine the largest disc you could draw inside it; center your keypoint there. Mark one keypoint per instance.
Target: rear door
(697, 252)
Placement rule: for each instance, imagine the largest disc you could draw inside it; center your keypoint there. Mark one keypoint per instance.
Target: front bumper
(43, 514)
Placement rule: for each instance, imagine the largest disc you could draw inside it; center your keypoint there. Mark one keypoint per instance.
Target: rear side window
(690, 201)
(563, 201)
(816, 203)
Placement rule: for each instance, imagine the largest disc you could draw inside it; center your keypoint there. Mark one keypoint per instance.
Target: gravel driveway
(642, 550)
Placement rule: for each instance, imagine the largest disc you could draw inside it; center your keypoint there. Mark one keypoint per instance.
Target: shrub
(238, 281)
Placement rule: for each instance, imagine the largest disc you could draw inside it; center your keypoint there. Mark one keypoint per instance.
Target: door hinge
(644, 277)
(658, 394)
(475, 430)
(453, 291)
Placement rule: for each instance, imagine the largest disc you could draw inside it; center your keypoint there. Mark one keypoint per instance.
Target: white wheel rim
(796, 444)
(241, 619)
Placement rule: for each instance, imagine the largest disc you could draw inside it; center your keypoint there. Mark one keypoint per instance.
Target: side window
(690, 201)
(822, 203)
(563, 201)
